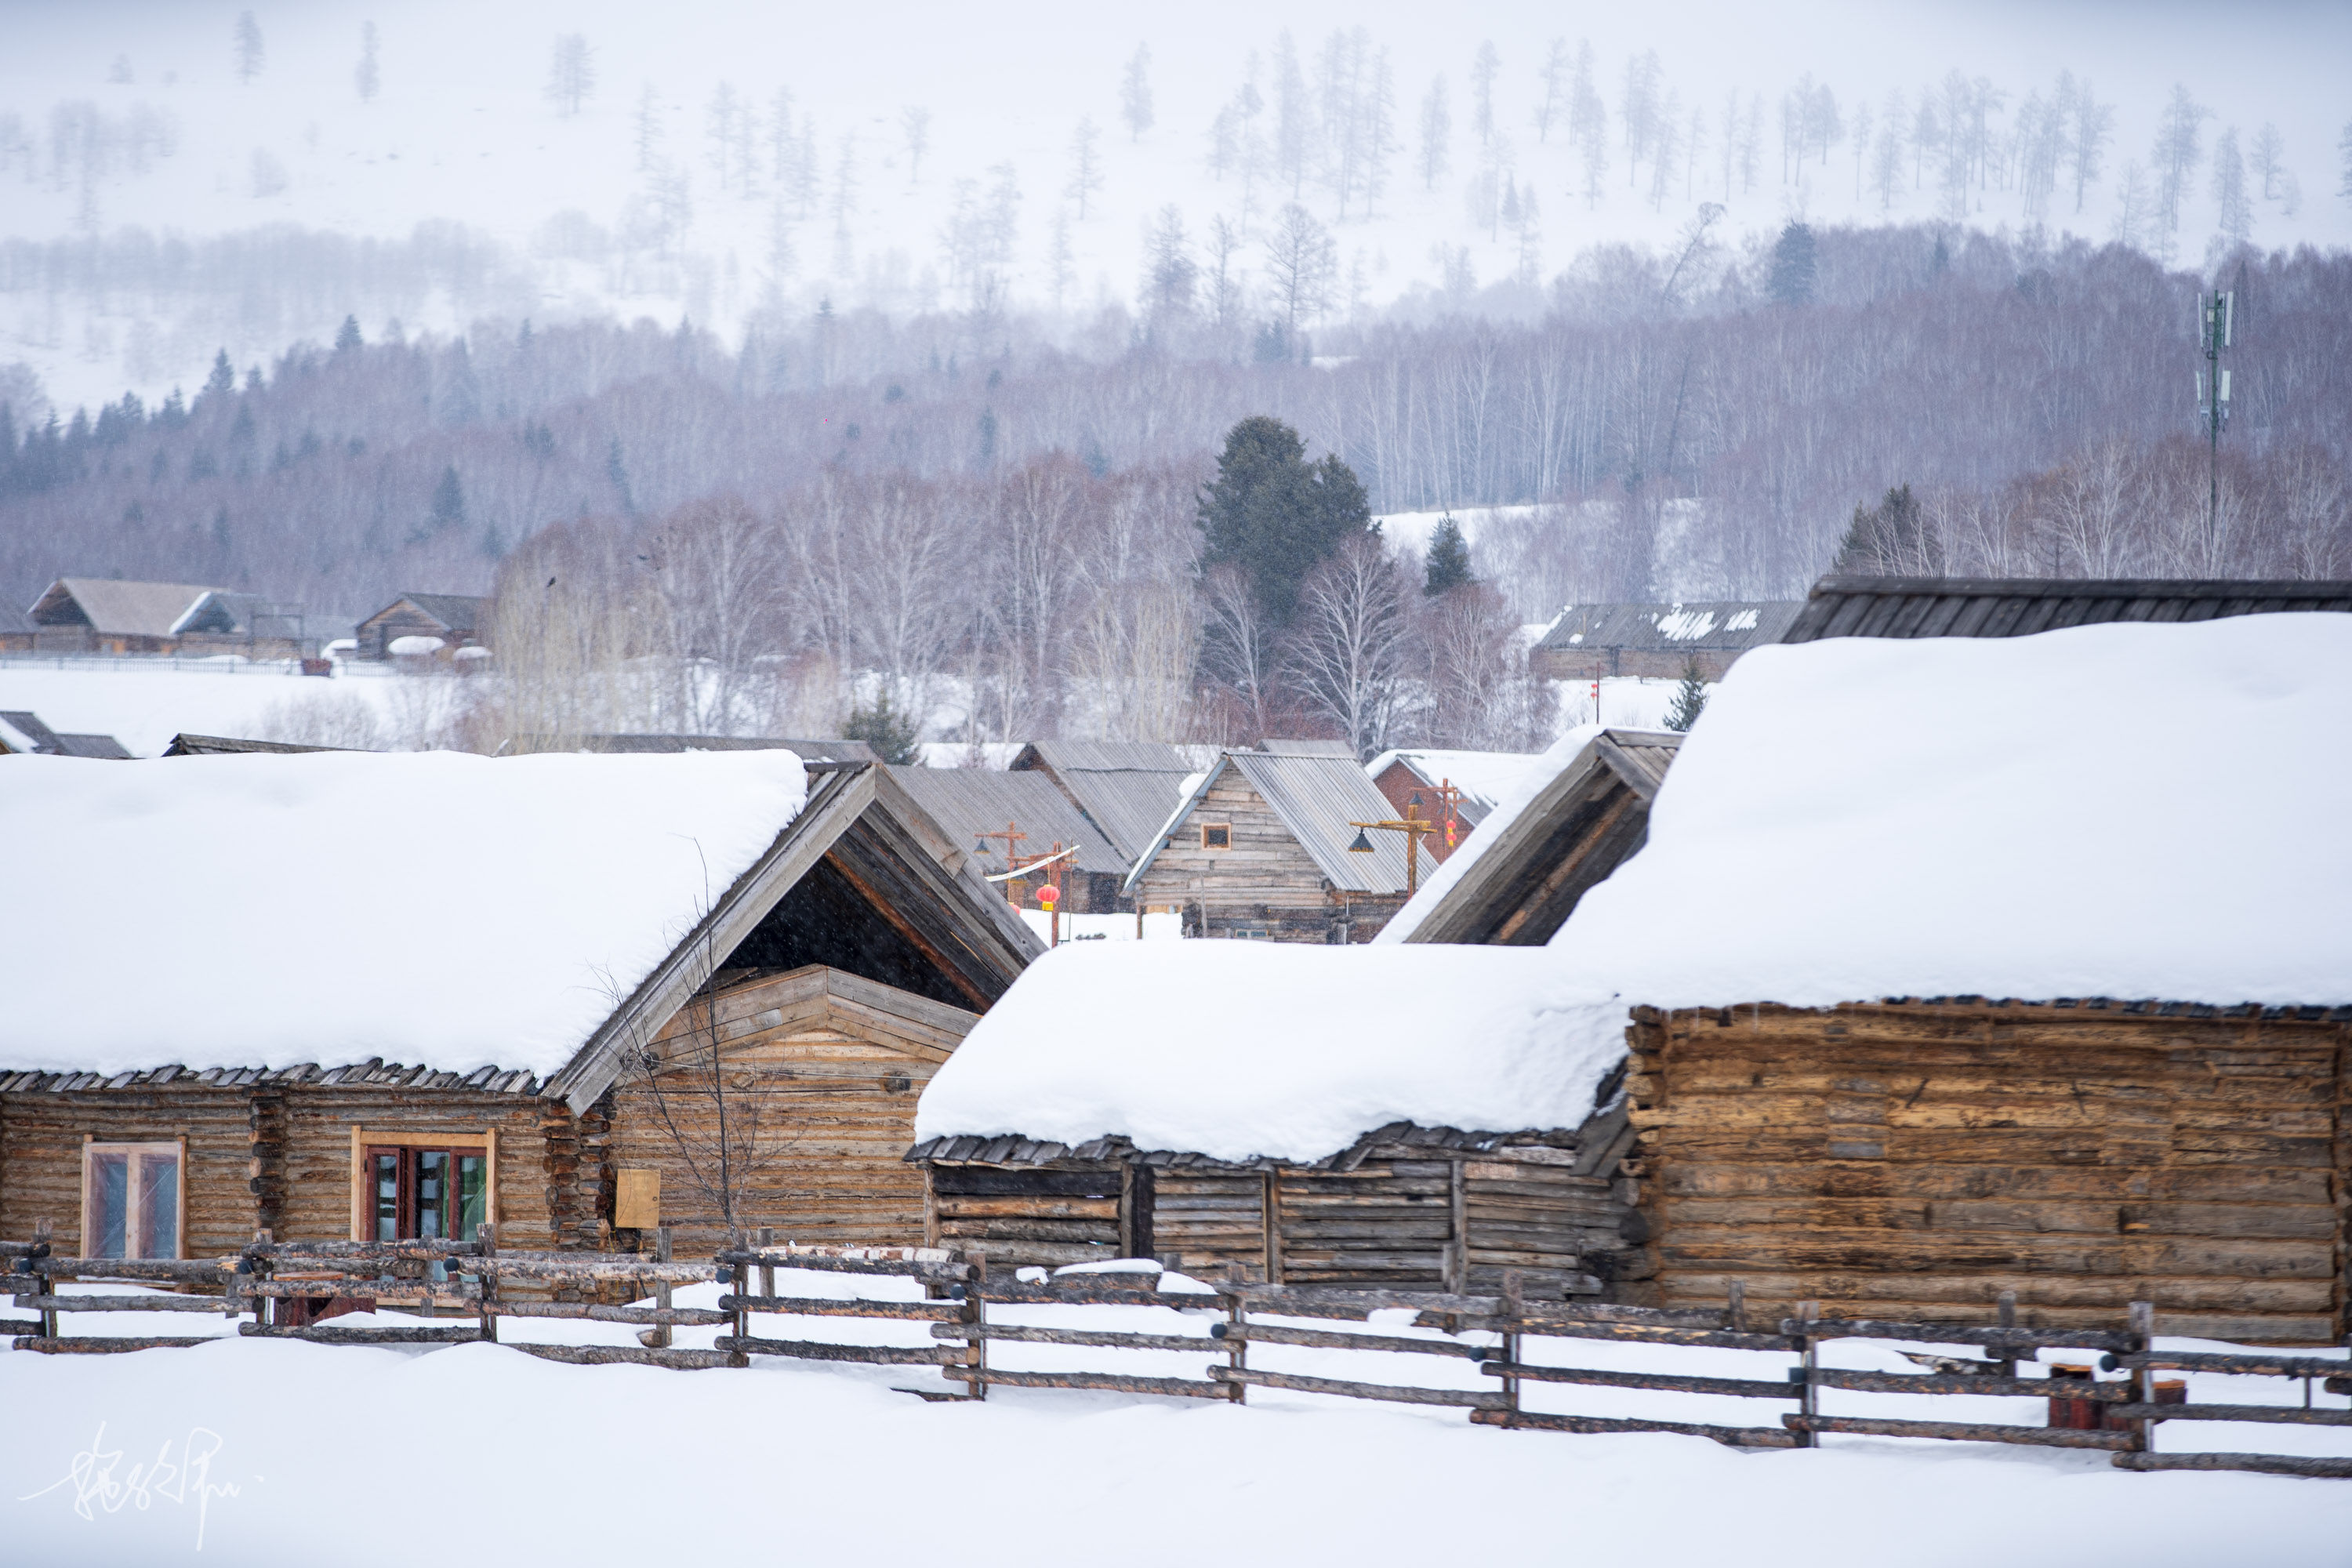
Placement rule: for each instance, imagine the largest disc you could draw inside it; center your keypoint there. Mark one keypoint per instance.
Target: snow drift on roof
(437, 910)
(1239, 1049)
(2142, 812)
(1483, 777)
(1534, 774)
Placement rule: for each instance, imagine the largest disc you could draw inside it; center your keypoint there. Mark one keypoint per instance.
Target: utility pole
(2217, 314)
(1413, 827)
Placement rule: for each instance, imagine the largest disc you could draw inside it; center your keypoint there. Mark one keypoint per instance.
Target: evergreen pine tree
(347, 336)
(1690, 697)
(618, 472)
(1792, 266)
(1449, 559)
(891, 732)
(1276, 516)
(448, 501)
(223, 380)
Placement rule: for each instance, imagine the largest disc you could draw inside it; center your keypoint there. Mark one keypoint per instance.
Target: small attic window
(1216, 836)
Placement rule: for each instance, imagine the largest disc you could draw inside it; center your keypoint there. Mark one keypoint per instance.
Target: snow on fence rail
(281, 1283)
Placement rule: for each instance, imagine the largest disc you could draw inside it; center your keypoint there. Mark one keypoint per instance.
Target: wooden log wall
(1385, 1225)
(1050, 1218)
(1557, 1216)
(1915, 1160)
(315, 1174)
(1203, 1221)
(1265, 882)
(41, 1137)
(832, 1065)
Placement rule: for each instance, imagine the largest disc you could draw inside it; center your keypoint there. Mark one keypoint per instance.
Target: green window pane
(473, 1194)
(387, 1197)
(432, 1194)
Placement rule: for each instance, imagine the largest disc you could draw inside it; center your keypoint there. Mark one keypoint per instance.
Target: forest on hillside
(1683, 438)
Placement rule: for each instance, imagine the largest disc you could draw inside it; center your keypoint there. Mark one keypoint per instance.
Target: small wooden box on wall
(636, 1199)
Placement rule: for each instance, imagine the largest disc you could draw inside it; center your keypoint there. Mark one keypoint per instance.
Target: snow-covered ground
(1105, 928)
(144, 702)
(263, 1451)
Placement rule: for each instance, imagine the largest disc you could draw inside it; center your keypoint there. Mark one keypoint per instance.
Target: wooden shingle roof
(2013, 607)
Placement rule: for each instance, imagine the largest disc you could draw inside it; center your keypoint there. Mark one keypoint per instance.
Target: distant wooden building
(1524, 875)
(669, 745)
(817, 984)
(1126, 788)
(451, 621)
(1453, 789)
(1295, 1190)
(1587, 642)
(1951, 1011)
(1262, 849)
(105, 615)
(973, 803)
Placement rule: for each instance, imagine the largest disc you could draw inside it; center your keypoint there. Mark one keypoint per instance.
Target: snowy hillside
(170, 191)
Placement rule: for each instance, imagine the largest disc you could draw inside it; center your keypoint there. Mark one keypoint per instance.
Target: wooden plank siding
(836, 1063)
(1265, 882)
(41, 1137)
(1915, 1160)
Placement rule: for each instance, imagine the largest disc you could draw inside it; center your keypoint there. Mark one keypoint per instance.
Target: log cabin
(106, 616)
(1420, 1119)
(1588, 642)
(1959, 963)
(977, 807)
(1126, 788)
(1579, 811)
(1457, 790)
(633, 941)
(1261, 848)
(453, 621)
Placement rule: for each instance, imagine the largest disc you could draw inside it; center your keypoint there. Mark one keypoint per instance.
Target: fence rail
(281, 1286)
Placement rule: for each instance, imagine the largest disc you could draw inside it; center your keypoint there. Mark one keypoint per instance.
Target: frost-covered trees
(915, 126)
(2094, 125)
(1086, 165)
(1135, 93)
(365, 76)
(1302, 265)
(1482, 71)
(571, 73)
(1793, 265)
(1436, 134)
(1551, 99)
(2179, 148)
(2234, 213)
(245, 47)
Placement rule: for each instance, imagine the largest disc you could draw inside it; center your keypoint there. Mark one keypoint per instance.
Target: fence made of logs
(282, 1285)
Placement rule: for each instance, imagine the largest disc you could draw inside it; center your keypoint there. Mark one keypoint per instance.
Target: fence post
(975, 1313)
(42, 1231)
(1236, 1347)
(735, 1279)
(486, 1243)
(767, 1271)
(2007, 1360)
(1807, 1311)
(2143, 1327)
(661, 1287)
(1514, 1307)
(1734, 1315)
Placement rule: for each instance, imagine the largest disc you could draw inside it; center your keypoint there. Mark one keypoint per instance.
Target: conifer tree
(347, 336)
(1792, 266)
(891, 732)
(1449, 559)
(250, 55)
(1275, 515)
(1690, 697)
(448, 501)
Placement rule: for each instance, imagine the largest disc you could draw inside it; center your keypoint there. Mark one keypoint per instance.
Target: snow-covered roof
(1483, 777)
(1503, 880)
(1316, 794)
(2141, 812)
(444, 910)
(1241, 1049)
(110, 604)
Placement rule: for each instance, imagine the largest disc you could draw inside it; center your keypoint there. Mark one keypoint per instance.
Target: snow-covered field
(269, 1452)
(145, 702)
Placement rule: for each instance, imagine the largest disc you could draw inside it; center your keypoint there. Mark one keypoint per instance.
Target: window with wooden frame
(132, 1195)
(1216, 836)
(422, 1186)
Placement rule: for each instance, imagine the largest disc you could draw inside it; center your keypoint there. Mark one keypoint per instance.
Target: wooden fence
(279, 1284)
